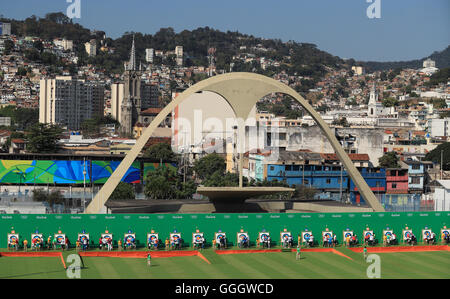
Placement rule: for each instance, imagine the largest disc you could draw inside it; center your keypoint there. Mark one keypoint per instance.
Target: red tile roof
(353, 157)
(151, 111)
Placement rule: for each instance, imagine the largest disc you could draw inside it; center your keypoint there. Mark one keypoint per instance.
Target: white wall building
(91, 47)
(149, 54)
(439, 127)
(442, 196)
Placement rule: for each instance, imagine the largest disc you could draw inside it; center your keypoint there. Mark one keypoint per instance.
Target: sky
(406, 29)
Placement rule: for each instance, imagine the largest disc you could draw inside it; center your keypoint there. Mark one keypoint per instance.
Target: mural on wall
(69, 172)
(42, 172)
(102, 170)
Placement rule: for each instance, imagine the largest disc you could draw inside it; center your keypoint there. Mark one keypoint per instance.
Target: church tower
(373, 100)
(131, 104)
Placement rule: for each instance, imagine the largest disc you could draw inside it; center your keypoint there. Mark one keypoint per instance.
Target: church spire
(132, 62)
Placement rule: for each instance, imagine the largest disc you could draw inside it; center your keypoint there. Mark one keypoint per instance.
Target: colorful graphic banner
(42, 172)
(102, 170)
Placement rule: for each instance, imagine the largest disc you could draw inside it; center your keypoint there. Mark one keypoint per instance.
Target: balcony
(403, 178)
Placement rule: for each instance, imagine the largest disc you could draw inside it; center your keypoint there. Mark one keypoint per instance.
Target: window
(415, 180)
(394, 185)
(305, 182)
(328, 181)
(415, 166)
(296, 168)
(272, 168)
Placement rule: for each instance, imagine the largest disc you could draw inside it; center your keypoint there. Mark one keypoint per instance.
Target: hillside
(302, 59)
(441, 58)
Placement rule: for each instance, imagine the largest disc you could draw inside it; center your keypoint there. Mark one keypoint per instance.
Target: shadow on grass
(31, 274)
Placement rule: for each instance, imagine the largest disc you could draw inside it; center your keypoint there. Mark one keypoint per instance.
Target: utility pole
(442, 163)
(84, 183)
(340, 187)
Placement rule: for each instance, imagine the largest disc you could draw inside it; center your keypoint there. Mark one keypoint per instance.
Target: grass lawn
(435, 264)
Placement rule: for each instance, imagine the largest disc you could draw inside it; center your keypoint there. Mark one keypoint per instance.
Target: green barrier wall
(231, 224)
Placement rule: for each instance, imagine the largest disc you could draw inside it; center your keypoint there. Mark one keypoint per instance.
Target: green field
(280, 265)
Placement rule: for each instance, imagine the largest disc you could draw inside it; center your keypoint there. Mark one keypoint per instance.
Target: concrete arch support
(241, 91)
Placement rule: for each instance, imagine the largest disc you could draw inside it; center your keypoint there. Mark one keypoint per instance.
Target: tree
(43, 138)
(160, 151)
(390, 102)
(51, 198)
(8, 46)
(91, 126)
(341, 122)
(208, 165)
(218, 179)
(435, 155)
(123, 191)
(304, 192)
(161, 183)
(389, 160)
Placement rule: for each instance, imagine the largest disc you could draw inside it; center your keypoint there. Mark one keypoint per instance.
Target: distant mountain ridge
(441, 58)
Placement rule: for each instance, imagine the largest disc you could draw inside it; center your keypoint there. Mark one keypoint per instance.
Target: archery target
(264, 237)
(241, 236)
(306, 236)
(37, 237)
(328, 234)
(60, 239)
(107, 237)
(13, 237)
(82, 237)
(446, 232)
(367, 233)
(152, 238)
(426, 233)
(220, 236)
(175, 236)
(129, 238)
(347, 233)
(284, 236)
(388, 233)
(197, 237)
(407, 233)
